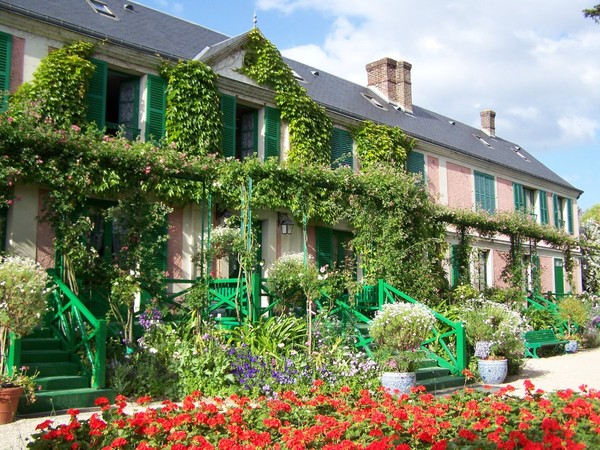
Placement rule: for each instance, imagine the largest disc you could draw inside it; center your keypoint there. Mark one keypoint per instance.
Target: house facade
(462, 167)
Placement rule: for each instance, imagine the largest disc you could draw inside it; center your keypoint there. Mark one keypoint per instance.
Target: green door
(559, 277)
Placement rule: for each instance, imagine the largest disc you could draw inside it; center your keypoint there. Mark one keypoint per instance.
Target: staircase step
(42, 343)
(63, 382)
(40, 333)
(64, 399)
(50, 369)
(29, 357)
(445, 382)
(429, 373)
(428, 363)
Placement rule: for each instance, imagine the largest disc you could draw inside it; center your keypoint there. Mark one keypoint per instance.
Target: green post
(256, 296)
(99, 373)
(14, 353)
(304, 248)
(380, 293)
(461, 349)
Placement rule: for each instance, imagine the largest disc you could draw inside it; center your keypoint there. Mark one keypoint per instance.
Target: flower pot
(571, 346)
(9, 400)
(492, 371)
(398, 382)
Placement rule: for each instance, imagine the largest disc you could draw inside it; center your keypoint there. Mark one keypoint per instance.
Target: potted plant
(12, 387)
(399, 329)
(494, 330)
(23, 296)
(573, 314)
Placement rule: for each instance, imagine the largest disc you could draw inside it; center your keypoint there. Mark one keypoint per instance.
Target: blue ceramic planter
(398, 382)
(492, 371)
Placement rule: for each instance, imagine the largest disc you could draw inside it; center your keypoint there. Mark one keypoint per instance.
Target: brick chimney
(392, 79)
(488, 122)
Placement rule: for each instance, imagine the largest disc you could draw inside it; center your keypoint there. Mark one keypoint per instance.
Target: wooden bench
(540, 338)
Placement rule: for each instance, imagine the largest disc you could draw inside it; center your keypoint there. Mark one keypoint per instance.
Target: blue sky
(535, 62)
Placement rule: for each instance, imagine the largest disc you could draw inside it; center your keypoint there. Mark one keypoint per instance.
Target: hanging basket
(9, 401)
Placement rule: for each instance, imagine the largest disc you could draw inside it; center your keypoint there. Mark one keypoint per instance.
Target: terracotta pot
(9, 401)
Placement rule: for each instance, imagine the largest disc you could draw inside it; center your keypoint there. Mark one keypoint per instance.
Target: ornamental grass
(370, 420)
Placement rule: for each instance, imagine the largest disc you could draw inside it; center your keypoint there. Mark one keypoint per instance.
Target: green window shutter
(341, 148)
(543, 197)
(5, 55)
(228, 110)
(570, 225)
(156, 109)
(324, 246)
(96, 94)
(455, 275)
(272, 131)
(485, 196)
(555, 211)
(519, 197)
(158, 261)
(415, 163)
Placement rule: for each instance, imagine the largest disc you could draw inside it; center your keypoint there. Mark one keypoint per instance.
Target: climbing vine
(377, 143)
(193, 114)
(310, 127)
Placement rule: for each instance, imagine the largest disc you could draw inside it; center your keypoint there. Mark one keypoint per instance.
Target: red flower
(45, 424)
(143, 400)
(101, 401)
(118, 443)
(72, 412)
(467, 434)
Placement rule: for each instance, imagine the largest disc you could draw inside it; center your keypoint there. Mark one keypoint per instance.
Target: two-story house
(462, 166)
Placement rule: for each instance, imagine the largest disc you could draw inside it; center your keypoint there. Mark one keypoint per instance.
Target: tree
(591, 214)
(594, 13)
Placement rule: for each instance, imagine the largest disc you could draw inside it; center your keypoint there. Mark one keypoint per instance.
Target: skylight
(101, 8)
(517, 150)
(483, 141)
(297, 76)
(373, 101)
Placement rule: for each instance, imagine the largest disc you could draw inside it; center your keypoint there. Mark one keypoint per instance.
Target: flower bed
(466, 419)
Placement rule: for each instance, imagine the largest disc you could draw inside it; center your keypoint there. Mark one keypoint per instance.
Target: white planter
(398, 382)
(492, 371)
(571, 346)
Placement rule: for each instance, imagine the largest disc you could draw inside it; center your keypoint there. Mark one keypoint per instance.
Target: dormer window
(101, 8)
(483, 141)
(373, 100)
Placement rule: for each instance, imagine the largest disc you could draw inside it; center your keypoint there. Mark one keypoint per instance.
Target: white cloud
(535, 63)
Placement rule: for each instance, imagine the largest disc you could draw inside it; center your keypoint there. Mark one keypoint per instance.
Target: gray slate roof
(155, 32)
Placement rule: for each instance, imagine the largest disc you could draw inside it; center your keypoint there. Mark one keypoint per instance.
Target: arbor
(594, 13)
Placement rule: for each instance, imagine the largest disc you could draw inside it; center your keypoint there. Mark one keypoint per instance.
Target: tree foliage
(593, 13)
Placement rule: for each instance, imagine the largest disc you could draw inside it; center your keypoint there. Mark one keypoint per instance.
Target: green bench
(540, 338)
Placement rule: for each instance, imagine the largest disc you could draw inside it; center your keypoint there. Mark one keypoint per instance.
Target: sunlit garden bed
(373, 420)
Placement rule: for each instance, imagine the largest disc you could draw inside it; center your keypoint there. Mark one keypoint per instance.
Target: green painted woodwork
(455, 262)
(228, 109)
(324, 246)
(570, 226)
(156, 108)
(485, 193)
(557, 211)
(519, 197)
(559, 276)
(3, 227)
(341, 148)
(272, 132)
(415, 163)
(543, 202)
(5, 63)
(96, 94)
(540, 338)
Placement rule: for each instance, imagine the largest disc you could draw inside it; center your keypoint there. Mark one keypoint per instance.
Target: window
(5, 56)
(113, 102)
(525, 200)
(240, 129)
(570, 225)
(543, 200)
(558, 210)
(482, 272)
(415, 163)
(101, 8)
(485, 194)
(341, 149)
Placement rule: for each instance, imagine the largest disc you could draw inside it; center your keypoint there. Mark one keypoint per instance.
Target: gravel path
(551, 373)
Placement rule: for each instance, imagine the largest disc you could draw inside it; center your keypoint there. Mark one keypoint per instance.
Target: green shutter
(455, 263)
(228, 132)
(158, 260)
(156, 110)
(519, 197)
(485, 196)
(324, 247)
(415, 163)
(5, 55)
(272, 132)
(543, 197)
(341, 148)
(96, 94)
(570, 225)
(555, 211)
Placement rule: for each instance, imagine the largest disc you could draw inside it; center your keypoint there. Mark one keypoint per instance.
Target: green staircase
(63, 385)
(436, 378)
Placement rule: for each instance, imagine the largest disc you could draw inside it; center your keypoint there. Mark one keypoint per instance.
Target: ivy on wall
(193, 117)
(310, 127)
(377, 143)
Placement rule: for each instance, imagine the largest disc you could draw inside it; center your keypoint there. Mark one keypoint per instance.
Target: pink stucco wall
(45, 236)
(499, 262)
(175, 244)
(311, 244)
(433, 176)
(460, 186)
(547, 275)
(504, 193)
(17, 60)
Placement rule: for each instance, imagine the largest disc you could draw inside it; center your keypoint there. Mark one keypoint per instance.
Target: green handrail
(452, 342)
(78, 329)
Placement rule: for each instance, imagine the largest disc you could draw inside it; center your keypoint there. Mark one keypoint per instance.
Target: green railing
(78, 329)
(536, 301)
(447, 343)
